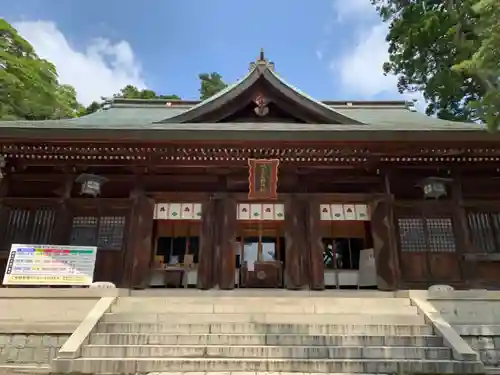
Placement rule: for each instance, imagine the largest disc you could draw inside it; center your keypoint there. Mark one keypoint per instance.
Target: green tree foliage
(485, 62)
(132, 92)
(91, 108)
(211, 84)
(450, 51)
(128, 92)
(427, 38)
(29, 88)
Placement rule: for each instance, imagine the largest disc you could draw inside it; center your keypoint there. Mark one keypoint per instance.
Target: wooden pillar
(227, 256)
(295, 240)
(207, 243)
(384, 244)
(4, 185)
(64, 218)
(139, 247)
(315, 245)
(467, 269)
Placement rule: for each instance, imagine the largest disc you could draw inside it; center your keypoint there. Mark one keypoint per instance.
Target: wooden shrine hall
(259, 186)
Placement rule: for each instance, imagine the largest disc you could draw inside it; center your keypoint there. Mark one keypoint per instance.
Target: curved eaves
(289, 92)
(216, 101)
(302, 99)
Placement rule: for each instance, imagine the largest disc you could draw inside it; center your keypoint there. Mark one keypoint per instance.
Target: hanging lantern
(434, 187)
(91, 184)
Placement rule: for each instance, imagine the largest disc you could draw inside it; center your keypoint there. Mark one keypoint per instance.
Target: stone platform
(117, 331)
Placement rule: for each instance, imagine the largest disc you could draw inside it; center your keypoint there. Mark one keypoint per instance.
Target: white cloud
(353, 8)
(319, 54)
(360, 68)
(102, 69)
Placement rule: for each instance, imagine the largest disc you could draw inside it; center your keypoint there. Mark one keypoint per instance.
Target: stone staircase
(313, 334)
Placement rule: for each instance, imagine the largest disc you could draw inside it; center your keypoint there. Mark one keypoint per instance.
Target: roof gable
(261, 87)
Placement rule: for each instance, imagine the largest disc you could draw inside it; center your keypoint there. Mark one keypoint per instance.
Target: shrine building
(259, 186)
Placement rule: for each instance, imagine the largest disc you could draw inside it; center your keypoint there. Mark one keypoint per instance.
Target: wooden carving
(261, 108)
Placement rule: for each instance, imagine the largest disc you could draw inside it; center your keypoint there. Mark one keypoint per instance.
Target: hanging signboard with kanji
(263, 178)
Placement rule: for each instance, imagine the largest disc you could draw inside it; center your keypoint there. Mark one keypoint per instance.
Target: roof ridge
(123, 102)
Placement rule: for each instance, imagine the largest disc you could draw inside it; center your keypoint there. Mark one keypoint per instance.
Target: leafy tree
(427, 38)
(211, 84)
(29, 88)
(132, 92)
(91, 108)
(485, 62)
(128, 92)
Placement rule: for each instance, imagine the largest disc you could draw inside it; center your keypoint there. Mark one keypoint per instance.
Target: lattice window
(412, 234)
(104, 232)
(110, 233)
(441, 235)
(484, 229)
(28, 226)
(418, 234)
(84, 231)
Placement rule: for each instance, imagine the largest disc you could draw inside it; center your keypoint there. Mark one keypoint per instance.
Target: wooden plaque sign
(263, 178)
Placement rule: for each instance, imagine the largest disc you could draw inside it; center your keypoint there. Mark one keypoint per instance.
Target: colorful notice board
(50, 265)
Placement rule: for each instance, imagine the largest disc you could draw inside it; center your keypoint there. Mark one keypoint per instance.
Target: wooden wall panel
(444, 268)
(109, 266)
(486, 274)
(343, 229)
(413, 266)
(438, 263)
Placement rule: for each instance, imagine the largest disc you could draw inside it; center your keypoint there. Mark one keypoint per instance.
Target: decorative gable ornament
(91, 184)
(262, 61)
(434, 187)
(262, 109)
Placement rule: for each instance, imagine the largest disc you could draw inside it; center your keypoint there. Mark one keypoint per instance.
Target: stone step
(265, 318)
(28, 369)
(269, 309)
(234, 351)
(258, 305)
(263, 339)
(258, 328)
(132, 365)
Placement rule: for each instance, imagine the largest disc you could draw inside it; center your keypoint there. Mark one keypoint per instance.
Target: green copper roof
(261, 70)
(169, 120)
(122, 116)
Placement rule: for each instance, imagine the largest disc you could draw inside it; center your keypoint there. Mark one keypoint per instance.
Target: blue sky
(331, 49)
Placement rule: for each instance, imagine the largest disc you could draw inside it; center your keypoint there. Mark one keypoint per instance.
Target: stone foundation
(30, 349)
(475, 315)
